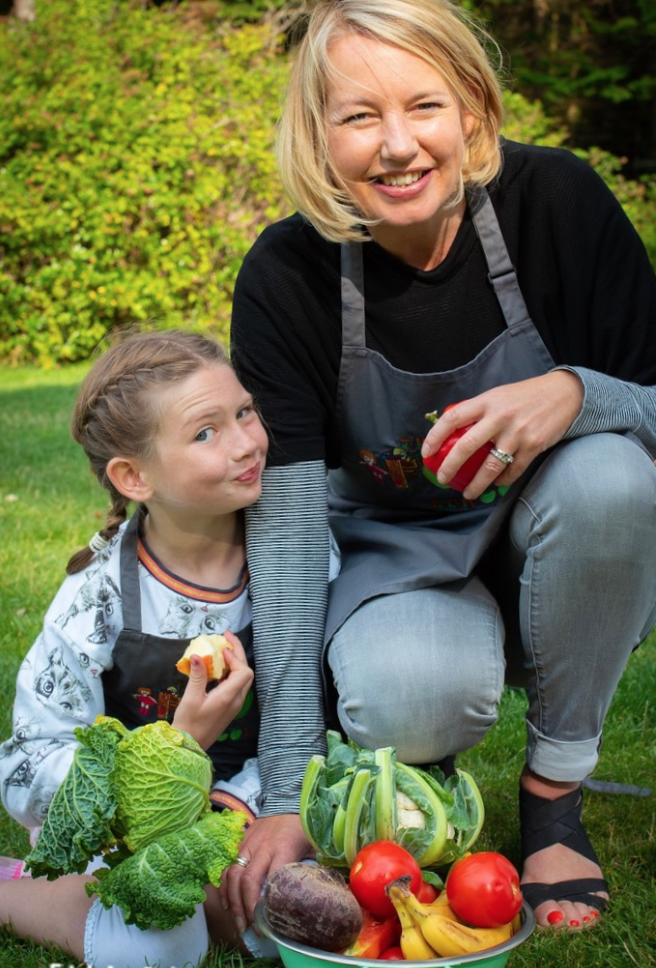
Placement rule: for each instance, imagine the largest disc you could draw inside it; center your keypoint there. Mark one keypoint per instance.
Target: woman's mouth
(400, 179)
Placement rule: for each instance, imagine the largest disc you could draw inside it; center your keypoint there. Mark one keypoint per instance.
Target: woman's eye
(245, 412)
(205, 434)
(356, 118)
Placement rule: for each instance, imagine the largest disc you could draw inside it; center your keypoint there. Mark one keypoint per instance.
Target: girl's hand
(523, 419)
(206, 714)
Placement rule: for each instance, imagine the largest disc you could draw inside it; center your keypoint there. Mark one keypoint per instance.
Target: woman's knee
(421, 671)
(597, 491)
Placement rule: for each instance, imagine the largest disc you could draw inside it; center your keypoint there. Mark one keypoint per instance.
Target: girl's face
(210, 447)
(396, 136)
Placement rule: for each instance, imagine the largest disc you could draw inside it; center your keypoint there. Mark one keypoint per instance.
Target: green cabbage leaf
(163, 882)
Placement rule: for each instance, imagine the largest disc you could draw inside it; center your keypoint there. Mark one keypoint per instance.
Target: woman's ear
(126, 475)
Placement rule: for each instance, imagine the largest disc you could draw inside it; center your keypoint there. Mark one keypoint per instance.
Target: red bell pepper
(467, 471)
(375, 937)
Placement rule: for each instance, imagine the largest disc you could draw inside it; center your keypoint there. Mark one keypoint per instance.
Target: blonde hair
(440, 33)
(116, 412)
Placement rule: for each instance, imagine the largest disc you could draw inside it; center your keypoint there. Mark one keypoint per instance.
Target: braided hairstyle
(115, 413)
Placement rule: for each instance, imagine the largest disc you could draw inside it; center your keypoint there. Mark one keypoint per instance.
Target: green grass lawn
(50, 506)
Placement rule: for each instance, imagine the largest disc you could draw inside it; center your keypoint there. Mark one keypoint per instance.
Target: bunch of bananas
(434, 930)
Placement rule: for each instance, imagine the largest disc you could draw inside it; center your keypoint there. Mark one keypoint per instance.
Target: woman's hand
(523, 419)
(206, 714)
(268, 843)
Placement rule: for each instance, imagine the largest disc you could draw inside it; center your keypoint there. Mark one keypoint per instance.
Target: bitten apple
(210, 649)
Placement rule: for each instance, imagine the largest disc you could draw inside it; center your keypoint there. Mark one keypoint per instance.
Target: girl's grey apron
(398, 531)
(144, 685)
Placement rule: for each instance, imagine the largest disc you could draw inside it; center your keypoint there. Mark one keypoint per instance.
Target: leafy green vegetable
(141, 799)
(78, 824)
(354, 796)
(162, 883)
(162, 785)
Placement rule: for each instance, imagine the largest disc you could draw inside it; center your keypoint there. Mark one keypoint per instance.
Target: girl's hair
(116, 412)
(440, 33)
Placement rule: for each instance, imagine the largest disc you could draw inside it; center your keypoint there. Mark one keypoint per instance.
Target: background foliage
(135, 149)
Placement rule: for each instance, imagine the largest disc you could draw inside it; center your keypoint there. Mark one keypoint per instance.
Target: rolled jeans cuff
(558, 760)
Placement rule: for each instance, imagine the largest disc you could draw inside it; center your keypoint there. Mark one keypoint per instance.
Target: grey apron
(144, 685)
(398, 531)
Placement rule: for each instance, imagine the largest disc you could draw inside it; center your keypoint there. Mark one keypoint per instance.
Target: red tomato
(483, 889)
(466, 471)
(392, 954)
(377, 865)
(426, 893)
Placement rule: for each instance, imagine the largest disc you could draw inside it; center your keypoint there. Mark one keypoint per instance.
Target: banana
(452, 938)
(439, 906)
(413, 943)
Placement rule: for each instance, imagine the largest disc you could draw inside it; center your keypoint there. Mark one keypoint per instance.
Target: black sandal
(547, 822)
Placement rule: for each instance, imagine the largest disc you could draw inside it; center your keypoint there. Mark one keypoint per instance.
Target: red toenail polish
(586, 917)
(575, 924)
(555, 916)
(595, 914)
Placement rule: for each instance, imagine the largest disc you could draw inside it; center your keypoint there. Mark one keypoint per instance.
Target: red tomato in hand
(466, 471)
(377, 865)
(483, 889)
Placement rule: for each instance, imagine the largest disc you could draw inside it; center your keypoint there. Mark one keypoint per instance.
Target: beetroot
(313, 905)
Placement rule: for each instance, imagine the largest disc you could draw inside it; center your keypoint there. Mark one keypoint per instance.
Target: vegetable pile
(478, 909)
(394, 831)
(354, 796)
(141, 799)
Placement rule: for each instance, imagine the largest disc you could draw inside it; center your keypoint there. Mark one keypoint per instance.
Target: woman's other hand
(205, 714)
(269, 843)
(523, 419)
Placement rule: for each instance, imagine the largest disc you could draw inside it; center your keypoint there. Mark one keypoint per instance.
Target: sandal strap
(576, 890)
(547, 822)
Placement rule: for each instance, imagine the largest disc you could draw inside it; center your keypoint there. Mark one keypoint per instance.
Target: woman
(432, 265)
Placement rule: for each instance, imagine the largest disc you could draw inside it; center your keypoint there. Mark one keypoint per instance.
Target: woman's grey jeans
(568, 592)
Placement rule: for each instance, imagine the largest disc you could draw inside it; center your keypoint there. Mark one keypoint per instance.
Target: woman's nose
(399, 141)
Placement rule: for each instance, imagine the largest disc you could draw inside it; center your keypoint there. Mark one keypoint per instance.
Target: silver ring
(502, 456)
(242, 861)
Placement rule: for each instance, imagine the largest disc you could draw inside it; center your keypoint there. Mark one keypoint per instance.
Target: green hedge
(136, 169)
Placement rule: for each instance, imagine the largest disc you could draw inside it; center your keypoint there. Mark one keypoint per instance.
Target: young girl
(167, 426)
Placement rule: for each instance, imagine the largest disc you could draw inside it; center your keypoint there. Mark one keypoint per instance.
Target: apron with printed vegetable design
(144, 686)
(398, 531)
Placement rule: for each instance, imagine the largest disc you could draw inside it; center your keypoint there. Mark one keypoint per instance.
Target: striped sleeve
(613, 405)
(287, 543)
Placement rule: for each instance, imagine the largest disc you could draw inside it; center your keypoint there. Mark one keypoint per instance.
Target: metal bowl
(294, 955)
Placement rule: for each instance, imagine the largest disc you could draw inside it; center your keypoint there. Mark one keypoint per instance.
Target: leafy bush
(135, 171)
(136, 166)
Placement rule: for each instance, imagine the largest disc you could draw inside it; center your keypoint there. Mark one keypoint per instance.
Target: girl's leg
(421, 671)
(59, 913)
(583, 538)
(51, 913)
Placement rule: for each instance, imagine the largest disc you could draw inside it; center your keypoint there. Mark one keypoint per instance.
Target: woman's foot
(561, 877)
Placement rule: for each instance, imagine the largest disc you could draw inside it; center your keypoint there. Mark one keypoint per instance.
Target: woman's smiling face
(396, 136)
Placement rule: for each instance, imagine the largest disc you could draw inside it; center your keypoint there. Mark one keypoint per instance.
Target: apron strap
(352, 294)
(502, 275)
(130, 588)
